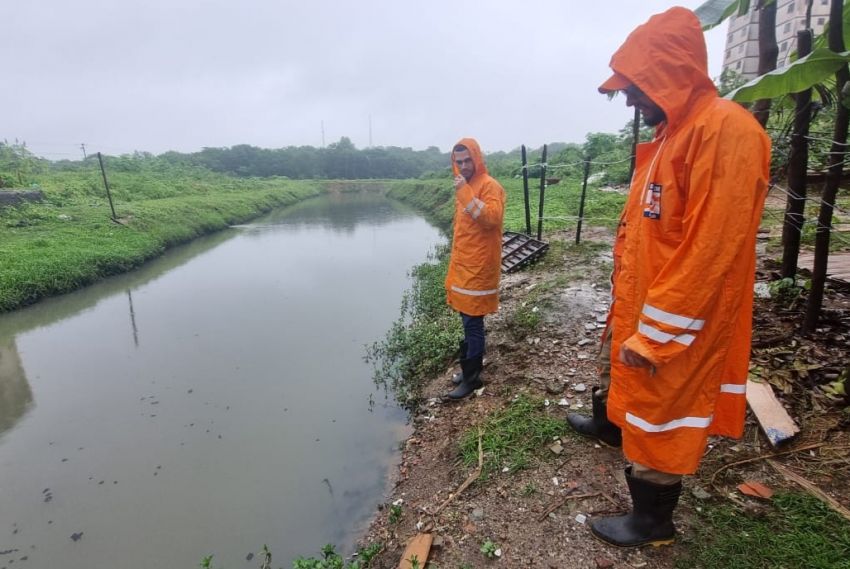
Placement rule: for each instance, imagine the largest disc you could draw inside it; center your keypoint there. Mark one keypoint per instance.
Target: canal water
(213, 401)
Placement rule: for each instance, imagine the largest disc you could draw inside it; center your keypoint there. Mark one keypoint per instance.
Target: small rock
(581, 518)
(249, 557)
(554, 387)
(556, 448)
(438, 541)
(604, 563)
(498, 552)
(477, 514)
(563, 403)
(583, 342)
(77, 536)
(700, 493)
(580, 388)
(555, 480)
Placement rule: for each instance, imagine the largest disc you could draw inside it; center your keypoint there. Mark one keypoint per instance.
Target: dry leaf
(756, 490)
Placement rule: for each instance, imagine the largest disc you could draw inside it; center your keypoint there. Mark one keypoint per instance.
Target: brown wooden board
(417, 548)
(771, 415)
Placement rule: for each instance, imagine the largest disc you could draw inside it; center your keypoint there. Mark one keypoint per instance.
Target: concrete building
(742, 42)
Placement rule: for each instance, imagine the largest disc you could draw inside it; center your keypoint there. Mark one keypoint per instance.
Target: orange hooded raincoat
(685, 254)
(472, 281)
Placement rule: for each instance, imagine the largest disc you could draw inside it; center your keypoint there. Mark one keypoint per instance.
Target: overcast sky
(160, 75)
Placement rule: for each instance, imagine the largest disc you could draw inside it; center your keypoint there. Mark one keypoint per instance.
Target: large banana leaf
(799, 76)
(713, 12)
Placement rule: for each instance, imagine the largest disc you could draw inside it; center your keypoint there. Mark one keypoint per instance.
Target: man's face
(465, 164)
(652, 113)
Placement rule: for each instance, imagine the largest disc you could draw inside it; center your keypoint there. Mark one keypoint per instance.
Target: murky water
(211, 402)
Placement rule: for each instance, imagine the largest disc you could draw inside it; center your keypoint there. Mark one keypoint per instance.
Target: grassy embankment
(69, 241)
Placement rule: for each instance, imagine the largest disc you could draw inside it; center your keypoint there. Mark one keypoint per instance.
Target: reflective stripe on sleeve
(456, 288)
(673, 319)
(644, 425)
(736, 388)
(663, 337)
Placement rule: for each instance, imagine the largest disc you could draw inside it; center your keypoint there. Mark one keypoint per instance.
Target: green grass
(512, 437)
(561, 204)
(797, 531)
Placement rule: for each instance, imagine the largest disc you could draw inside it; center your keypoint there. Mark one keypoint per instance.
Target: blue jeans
(473, 333)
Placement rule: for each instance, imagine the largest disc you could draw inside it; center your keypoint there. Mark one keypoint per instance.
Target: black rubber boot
(651, 520)
(461, 355)
(471, 378)
(598, 426)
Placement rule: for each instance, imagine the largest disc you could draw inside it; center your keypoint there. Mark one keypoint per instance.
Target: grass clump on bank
(332, 560)
(797, 531)
(511, 437)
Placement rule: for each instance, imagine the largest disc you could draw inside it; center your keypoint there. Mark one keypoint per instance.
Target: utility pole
(83, 146)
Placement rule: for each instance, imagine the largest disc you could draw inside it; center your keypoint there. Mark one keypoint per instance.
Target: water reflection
(15, 392)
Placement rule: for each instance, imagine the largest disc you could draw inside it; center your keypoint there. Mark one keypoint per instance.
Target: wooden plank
(417, 548)
(838, 266)
(811, 489)
(772, 416)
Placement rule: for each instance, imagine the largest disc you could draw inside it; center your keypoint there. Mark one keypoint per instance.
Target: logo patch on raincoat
(652, 202)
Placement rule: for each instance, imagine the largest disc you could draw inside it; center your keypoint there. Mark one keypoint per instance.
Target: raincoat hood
(666, 59)
(474, 153)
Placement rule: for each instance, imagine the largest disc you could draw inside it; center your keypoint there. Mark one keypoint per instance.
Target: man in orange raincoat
(684, 266)
(472, 281)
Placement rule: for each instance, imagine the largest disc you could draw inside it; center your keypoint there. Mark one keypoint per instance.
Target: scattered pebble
(580, 387)
(77, 536)
(581, 518)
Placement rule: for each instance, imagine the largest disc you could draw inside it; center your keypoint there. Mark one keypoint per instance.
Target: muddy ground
(537, 517)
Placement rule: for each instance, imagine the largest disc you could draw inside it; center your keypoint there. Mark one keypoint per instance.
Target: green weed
(797, 531)
(511, 437)
(488, 548)
(332, 560)
(395, 513)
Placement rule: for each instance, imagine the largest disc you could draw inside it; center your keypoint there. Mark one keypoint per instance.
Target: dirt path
(537, 517)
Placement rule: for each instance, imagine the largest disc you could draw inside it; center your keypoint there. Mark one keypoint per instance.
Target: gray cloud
(184, 74)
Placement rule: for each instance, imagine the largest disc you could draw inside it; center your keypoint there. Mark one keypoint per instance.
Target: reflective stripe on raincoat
(685, 254)
(472, 281)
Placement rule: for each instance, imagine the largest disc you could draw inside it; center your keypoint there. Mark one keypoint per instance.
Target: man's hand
(459, 181)
(634, 359)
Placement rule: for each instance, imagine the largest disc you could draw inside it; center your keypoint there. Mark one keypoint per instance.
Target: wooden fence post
(581, 203)
(542, 193)
(105, 183)
(525, 191)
